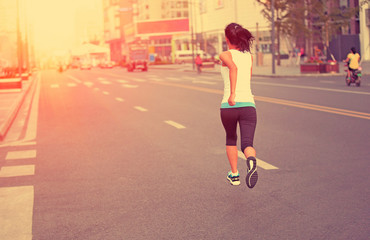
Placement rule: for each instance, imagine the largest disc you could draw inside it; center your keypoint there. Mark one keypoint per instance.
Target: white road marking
(75, 79)
(101, 79)
(17, 171)
(54, 85)
(16, 210)
(172, 79)
(260, 163)
(122, 81)
(175, 124)
(138, 80)
(204, 82)
(331, 82)
(141, 109)
(105, 82)
(21, 154)
(96, 89)
(71, 84)
(105, 93)
(119, 99)
(129, 86)
(88, 84)
(156, 79)
(308, 87)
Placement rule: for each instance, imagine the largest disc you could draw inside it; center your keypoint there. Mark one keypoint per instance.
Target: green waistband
(238, 104)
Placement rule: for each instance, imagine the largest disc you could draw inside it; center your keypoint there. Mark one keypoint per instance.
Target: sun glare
(52, 22)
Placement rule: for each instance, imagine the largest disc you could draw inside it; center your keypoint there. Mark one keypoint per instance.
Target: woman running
(238, 105)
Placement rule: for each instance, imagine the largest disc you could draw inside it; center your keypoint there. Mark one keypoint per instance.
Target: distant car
(85, 65)
(106, 64)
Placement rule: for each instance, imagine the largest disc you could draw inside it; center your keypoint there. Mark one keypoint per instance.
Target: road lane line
(324, 81)
(312, 88)
(175, 124)
(88, 84)
(204, 82)
(129, 86)
(54, 85)
(16, 210)
(141, 109)
(105, 82)
(105, 93)
(338, 111)
(21, 154)
(172, 79)
(71, 84)
(74, 79)
(138, 80)
(17, 171)
(119, 99)
(260, 163)
(122, 81)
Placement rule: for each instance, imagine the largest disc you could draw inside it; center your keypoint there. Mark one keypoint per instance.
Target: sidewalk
(266, 71)
(11, 100)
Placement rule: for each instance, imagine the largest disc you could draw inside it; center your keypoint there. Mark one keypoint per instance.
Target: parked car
(85, 64)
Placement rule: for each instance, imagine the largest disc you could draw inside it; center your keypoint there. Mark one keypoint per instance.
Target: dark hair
(239, 37)
(353, 50)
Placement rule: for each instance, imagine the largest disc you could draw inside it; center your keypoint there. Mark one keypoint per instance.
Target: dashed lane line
(88, 84)
(324, 81)
(21, 154)
(74, 79)
(119, 99)
(122, 81)
(71, 84)
(260, 163)
(17, 171)
(312, 88)
(204, 82)
(279, 101)
(105, 93)
(54, 85)
(16, 210)
(141, 109)
(129, 86)
(175, 124)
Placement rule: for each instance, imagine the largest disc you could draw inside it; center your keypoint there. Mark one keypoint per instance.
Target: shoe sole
(234, 183)
(252, 175)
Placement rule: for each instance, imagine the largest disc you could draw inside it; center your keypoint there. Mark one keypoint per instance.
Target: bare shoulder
(225, 55)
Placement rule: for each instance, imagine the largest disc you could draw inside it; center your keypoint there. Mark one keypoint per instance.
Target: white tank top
(243, 92)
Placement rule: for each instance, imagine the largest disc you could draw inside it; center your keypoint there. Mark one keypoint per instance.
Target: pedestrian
(199, 63)
(237, 104)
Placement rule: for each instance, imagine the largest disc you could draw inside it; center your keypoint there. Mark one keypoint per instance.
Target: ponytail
(239, 36)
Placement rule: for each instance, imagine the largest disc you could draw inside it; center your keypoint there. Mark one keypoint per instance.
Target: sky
(53, 22)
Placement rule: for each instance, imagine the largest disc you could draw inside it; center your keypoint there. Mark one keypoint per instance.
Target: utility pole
(19, 42)
(273, 35)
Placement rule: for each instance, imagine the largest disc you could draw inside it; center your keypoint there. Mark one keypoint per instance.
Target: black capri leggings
(247, 118)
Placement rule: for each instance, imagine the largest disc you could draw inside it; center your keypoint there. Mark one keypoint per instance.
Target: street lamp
(273, 35)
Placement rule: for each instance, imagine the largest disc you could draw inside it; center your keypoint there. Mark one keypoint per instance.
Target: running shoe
(233, 179)
(252, 175)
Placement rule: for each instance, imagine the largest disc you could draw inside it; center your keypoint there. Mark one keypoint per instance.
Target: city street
(108, 154)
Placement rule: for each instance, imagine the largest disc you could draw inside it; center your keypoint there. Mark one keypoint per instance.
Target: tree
(281, 7)
(314, 20)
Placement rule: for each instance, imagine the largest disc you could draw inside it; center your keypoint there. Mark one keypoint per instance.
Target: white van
(186, 56)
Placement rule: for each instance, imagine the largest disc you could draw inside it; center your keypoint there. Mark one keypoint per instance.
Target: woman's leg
(229, 118)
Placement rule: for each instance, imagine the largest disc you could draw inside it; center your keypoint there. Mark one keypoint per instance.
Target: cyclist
(353, 60)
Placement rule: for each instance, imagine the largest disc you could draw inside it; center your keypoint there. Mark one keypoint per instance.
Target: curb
(14, 111)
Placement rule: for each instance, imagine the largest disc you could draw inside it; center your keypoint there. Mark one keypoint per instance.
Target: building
(8, 33)
(364, 19)
(168, 26)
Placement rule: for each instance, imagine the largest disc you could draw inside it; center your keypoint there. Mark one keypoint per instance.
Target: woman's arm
(226, 59)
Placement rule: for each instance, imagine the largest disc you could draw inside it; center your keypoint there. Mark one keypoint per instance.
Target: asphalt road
(118, 155)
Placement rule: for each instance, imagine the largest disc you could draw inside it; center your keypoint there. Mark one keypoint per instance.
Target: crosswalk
(16, 202)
